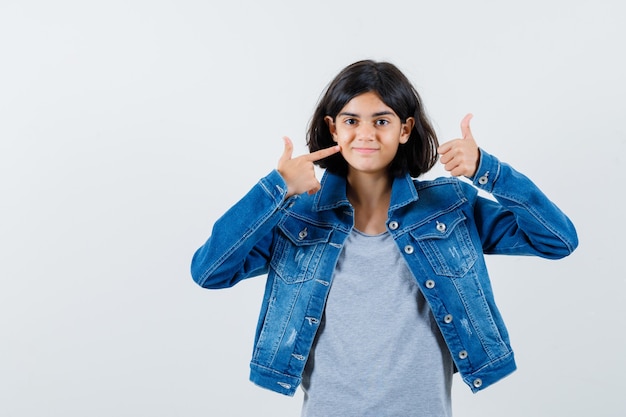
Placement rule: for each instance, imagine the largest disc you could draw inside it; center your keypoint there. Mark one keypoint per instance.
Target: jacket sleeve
(523, 221)
(240, 242)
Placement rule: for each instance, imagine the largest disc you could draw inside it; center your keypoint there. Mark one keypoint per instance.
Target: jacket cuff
(487, 173)
(275, 186)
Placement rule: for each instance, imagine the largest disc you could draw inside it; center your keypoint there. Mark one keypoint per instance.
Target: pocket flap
(440, 227)
(302, 233)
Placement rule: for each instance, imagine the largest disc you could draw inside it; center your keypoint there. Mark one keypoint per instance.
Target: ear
(406, 129)
(331, 127)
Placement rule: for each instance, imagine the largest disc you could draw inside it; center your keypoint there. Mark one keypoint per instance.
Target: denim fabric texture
(442, 228)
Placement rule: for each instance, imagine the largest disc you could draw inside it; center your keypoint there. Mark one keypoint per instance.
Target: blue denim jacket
(442, 228)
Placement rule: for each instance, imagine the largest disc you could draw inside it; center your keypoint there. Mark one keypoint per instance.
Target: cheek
(344, 133)
(340, 138)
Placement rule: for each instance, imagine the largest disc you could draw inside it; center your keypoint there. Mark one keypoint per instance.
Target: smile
(365, 150)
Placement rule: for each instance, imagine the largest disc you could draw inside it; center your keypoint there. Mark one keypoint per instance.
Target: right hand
(299, 173)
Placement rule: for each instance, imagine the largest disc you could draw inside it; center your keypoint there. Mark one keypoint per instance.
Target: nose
(366, 132)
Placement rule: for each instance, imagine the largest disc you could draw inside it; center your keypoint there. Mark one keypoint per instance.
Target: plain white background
(128, 127)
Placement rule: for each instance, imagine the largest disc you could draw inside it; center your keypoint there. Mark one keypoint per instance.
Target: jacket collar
(333, 192)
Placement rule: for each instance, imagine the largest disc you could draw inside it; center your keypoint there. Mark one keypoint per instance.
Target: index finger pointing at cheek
(323, 153)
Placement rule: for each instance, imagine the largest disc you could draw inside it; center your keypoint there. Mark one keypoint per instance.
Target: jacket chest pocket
(298, 249)
(446, 243)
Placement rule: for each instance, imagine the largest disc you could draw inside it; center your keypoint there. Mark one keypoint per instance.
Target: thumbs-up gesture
(461, 156)
(299, 173)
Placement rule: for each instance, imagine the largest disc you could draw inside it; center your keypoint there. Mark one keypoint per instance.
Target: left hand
(461, 156)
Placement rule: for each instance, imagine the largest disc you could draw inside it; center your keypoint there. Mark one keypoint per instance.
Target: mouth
(365, 150)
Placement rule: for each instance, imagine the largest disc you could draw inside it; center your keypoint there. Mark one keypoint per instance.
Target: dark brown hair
(416, 157)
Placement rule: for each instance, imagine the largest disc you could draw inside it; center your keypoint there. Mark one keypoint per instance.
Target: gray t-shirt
(378, 351)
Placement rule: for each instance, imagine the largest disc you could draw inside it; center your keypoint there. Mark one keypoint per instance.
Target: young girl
(377, 288)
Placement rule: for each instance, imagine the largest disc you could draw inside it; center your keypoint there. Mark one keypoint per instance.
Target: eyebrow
(377, 114)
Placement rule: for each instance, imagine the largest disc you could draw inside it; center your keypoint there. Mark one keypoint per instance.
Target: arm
(523, 221)
(239, 246)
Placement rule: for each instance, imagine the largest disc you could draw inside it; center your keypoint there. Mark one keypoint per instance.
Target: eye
(350, 121)
(382, 122)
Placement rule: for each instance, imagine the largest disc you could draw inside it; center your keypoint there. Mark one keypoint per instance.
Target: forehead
(365, 104)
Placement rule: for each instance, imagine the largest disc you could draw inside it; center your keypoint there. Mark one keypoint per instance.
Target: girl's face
(369, 133)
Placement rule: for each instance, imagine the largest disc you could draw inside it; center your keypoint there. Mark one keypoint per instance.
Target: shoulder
(450, 187)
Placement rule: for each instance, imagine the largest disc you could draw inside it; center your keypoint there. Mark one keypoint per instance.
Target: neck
(368, 190)
(370, 196)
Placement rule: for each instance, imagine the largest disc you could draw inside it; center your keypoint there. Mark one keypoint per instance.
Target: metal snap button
(303, 233)
(478, 383)
(408, 249)
(463, 354)
(441, 227)
(447, 319)
(430, 284)
(393, 225)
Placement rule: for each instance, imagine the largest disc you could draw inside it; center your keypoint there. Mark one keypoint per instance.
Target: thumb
(287, 152)
(465, 126)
